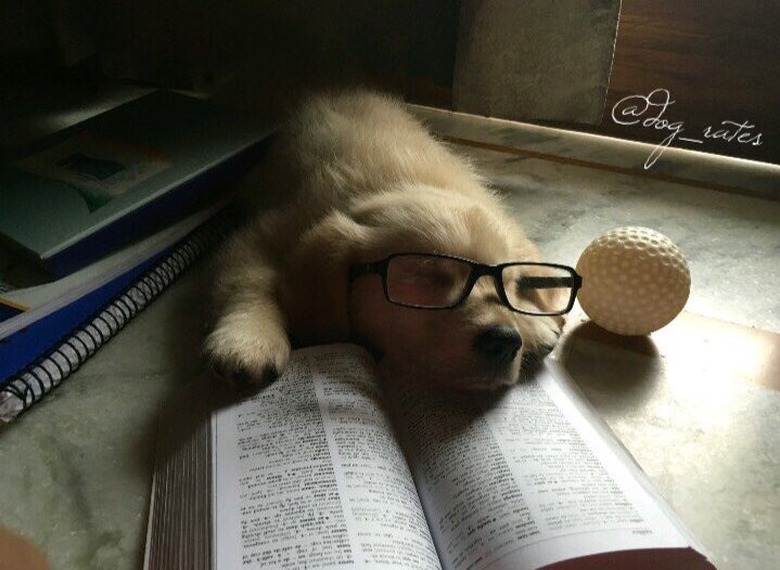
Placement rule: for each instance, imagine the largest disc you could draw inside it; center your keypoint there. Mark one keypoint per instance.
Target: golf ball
(634, 281)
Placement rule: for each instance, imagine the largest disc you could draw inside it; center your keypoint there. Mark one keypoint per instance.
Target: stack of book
(97, 220)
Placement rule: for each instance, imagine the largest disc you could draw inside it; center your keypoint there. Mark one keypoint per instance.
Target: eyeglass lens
(541, 289)
(424, 281)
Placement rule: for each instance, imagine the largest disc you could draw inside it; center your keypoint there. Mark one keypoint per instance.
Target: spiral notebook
(41, 348)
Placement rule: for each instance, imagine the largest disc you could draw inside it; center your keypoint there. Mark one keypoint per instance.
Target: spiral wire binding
(38, 379)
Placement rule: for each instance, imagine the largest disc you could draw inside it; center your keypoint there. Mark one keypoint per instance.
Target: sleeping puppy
(378, 233)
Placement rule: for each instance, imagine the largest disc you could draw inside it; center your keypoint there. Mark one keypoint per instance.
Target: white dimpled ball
(634, 281)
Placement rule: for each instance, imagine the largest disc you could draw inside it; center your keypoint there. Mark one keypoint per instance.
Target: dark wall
(408, 45)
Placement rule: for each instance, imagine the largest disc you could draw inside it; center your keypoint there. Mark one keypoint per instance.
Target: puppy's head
(479, 344)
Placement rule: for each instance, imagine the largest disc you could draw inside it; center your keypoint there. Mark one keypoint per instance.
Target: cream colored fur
(353, 177)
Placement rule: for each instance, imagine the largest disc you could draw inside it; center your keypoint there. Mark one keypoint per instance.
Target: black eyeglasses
(433, 281)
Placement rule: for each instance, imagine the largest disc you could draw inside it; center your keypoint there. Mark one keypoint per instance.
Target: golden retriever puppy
(380, 234)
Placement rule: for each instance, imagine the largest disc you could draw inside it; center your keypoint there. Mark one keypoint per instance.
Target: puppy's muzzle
(498, 345)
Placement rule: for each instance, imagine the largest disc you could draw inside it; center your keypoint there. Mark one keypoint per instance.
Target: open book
(332, 466)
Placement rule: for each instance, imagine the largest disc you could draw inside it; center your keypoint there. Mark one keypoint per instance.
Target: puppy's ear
(314, 284)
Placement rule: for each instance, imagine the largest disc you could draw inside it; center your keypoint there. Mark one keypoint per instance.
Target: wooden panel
(719, 59)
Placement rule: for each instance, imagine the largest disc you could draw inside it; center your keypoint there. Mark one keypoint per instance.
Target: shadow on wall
(536, 60)
(258, 51)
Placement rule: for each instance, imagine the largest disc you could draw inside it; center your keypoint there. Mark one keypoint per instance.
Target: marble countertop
(75, 471)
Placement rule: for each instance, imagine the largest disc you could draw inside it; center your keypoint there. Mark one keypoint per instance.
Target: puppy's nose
(499, 344)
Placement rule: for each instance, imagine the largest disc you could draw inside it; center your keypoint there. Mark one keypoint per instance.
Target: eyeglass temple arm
(574, 281)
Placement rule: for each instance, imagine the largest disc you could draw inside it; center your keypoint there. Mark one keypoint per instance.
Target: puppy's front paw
(245, 360)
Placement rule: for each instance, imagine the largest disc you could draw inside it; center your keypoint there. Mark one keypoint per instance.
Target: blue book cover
(24, 347)
(103, 183)
(41, 316)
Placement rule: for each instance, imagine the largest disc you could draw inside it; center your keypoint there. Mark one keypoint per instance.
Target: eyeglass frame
(478, 270)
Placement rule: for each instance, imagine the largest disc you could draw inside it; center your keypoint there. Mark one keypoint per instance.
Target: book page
(521, 479)
(308, 474)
